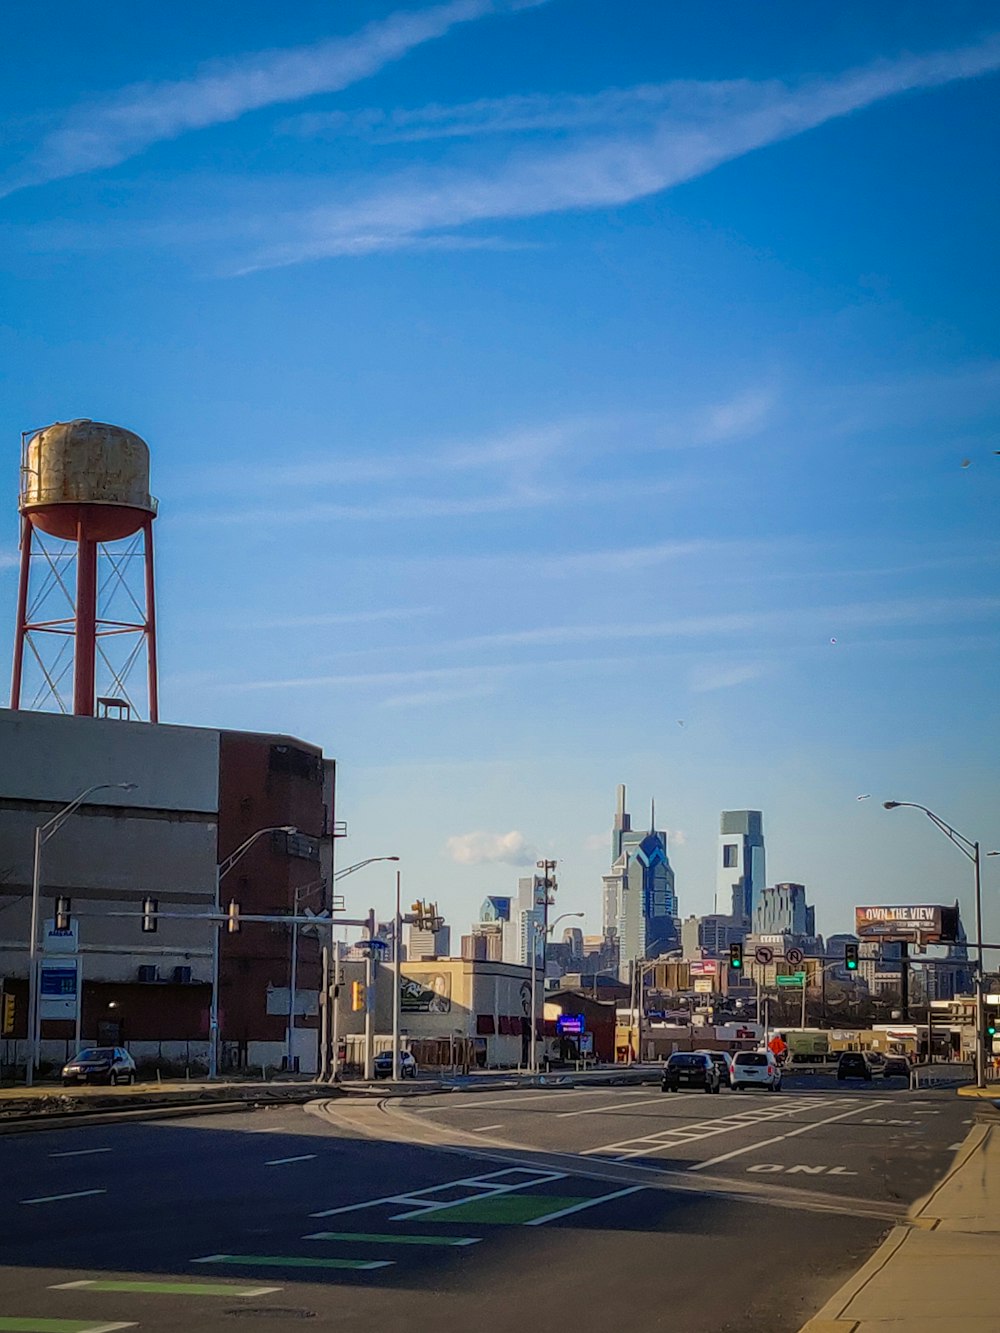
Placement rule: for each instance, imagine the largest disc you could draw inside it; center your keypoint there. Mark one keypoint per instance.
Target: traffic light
(851, 957)
(233, 923)
(359, 995)
(991, 1024)
(150, 907)
(9, 1013)
(62, 913)
(736, 957)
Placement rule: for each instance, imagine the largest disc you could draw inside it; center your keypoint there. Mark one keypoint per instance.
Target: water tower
(85, 600)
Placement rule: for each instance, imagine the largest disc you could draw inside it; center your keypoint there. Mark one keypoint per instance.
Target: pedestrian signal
(359, 995)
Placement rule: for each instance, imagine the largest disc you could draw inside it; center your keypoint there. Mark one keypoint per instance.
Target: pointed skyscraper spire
(652, 815)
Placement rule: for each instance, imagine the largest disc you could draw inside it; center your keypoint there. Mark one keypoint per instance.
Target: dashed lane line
(164, 1288)
(610, 1110)
(292, 1261)
(481, 1129)
(779, 1138)
(283, 1161)
(79, 1152)
(379, 1238)
(56, 1198)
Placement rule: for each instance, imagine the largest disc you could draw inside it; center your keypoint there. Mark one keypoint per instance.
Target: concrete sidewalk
(938, 1273)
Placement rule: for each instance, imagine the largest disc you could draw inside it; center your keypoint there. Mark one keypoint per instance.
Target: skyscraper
(740, 873)
(639, 894)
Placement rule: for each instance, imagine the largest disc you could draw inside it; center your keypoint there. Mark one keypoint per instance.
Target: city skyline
(677, 343)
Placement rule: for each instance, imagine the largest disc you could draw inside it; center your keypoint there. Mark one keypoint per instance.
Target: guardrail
(947, 1074)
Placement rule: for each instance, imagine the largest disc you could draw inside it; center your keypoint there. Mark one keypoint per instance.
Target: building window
(729, 859)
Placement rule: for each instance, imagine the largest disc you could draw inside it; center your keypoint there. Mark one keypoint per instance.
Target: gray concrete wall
(159, 840)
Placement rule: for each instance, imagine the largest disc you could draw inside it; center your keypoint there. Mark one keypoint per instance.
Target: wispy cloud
(389, 613)
(516, 114)
(107, 132)
(432, 698)
(473, 849)
(722, 676)
(704, 126)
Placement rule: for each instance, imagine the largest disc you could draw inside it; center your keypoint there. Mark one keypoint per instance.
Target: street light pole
(969, 849)
(42, 834)
(397, 977)
(222, 869)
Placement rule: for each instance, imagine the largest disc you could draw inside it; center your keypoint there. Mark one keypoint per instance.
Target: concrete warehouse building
(199, 794)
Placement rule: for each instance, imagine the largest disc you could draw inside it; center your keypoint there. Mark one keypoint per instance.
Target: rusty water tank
(86, 477)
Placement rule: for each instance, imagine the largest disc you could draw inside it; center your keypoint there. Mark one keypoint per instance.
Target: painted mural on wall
(434, 997)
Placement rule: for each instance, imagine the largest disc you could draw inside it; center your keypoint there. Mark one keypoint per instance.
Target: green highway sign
(793, 979)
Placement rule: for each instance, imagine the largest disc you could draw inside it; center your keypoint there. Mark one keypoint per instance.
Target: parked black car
(690, 1069)
(99, 1064)
(896, 1064)
(854, 1064)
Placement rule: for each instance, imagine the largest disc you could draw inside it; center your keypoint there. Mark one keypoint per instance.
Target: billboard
(705, 967)
(924, 924)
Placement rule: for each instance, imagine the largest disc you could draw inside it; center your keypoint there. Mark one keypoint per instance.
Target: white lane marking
(270, 1129)
(483, 1186)
(82, 1152)
(93, 1328)
(704, 1129)
(542, 1094)
(579, 1207)
(260, 1291)
(55, 1198)
(778, 1138)
(481, 1129)
(926, 1112)
(610, 1110)
(281, 1161)
(954, 1147)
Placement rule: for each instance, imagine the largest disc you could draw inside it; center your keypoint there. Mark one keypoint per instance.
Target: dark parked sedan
(99, 1064)
(896, 1064)
(854, 1064)
(690, 1069)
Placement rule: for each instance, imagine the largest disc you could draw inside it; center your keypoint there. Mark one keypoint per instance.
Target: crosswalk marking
(475, 1187)
(679, 1135)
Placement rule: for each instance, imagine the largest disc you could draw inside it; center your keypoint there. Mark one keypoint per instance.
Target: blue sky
(544, 396)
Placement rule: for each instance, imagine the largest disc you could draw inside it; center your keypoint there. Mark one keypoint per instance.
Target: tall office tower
(782, 910)
(422, 944)
(741, 874)
(640, 888)
(527, 913)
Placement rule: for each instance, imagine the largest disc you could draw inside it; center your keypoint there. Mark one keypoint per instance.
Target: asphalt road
(682, 1212)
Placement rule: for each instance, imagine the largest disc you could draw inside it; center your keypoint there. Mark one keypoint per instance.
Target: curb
(828, 1318)
(156, 1109)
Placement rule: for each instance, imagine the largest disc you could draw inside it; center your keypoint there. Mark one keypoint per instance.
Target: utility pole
(397, 977)
(370, 999)
(335, 1016)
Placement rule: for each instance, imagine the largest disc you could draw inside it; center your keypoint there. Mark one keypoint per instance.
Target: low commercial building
(197, 794)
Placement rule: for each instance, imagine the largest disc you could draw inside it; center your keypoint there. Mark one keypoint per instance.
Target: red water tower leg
(154, 691)
(22, 615)
(85, 659)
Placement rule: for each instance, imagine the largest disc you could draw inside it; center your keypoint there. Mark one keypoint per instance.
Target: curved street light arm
(60, 817)
(349, 870)
(226, 865)
(964, 844)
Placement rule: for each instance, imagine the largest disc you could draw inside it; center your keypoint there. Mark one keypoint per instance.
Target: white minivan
(756, 1069)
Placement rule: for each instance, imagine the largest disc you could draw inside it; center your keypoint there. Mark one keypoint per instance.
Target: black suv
(690, 1069)
(854, 1064)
